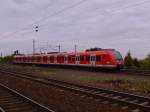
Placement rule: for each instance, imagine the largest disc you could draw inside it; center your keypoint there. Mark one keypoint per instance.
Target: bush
(145, 63)
(6, 59)
(128, 60)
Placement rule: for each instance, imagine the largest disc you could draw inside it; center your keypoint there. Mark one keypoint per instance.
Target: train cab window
(117, 56)
(98, 58)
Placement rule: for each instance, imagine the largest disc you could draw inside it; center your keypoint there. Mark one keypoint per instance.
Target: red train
(101, 58)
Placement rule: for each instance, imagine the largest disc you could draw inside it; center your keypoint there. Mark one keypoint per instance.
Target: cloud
(119, 24)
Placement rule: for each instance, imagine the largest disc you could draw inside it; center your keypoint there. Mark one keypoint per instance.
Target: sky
(120, 24)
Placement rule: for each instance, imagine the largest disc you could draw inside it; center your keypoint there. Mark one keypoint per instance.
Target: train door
(55, 59)
(77, 59)
(93, 59)
(66, 59)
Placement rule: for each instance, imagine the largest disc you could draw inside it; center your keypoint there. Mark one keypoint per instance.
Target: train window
(55, 58)
(32, 58)
(93, 58)
(73, 58)
(98, 58)
(58, 58)
(62, 58)
(76, 58)
(45, 58)
(48, 58)
(38, 58)
(65, 58)
(69, 58)
(88, 58)
(81, 58)
(27, 58)
(52, 58)
(20, 59)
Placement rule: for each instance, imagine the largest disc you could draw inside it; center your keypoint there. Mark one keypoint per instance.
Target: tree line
(131, 62)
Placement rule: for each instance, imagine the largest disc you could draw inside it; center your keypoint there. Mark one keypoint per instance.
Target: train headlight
(108, 62)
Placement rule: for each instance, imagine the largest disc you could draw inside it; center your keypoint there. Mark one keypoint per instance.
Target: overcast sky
(120, 24)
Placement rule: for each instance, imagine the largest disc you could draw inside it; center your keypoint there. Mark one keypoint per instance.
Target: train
(104, 58)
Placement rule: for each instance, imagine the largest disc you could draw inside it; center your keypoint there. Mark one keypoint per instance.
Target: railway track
(12, 101)
(134, 72)
(122, 99)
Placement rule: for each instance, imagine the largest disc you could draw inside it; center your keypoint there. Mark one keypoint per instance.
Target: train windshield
(117, 56)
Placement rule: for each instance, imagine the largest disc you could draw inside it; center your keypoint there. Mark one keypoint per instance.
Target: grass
(130, 84)
(127, 83)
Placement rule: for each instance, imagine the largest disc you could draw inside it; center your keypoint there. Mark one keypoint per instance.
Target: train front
(118, 59)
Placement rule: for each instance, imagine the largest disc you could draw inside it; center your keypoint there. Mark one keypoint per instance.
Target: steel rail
(38, 106)
(1, 110)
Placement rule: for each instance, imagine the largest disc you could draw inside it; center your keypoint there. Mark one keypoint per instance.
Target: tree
(128, 60)
(148, 58)
(146, 62)
(136, 62)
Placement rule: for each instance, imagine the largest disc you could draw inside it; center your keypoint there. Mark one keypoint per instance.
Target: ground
(56, 98)
(122, 82)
